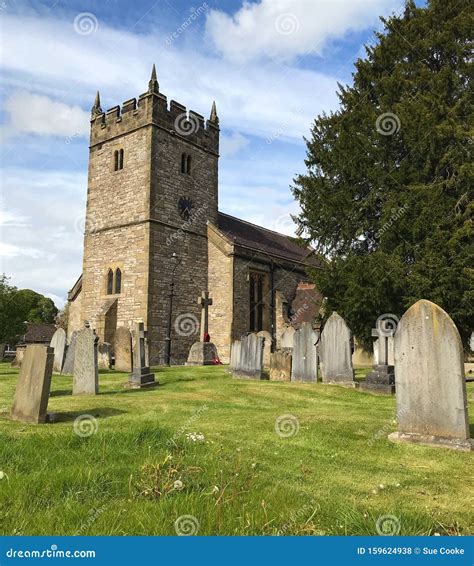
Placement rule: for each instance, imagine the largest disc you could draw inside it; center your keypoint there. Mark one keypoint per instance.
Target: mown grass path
(147, 463)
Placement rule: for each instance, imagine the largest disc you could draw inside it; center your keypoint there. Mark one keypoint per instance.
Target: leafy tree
(388, 195)
(20, 306)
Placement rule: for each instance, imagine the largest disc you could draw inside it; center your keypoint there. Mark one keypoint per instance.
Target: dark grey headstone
(68, 366)
(58, 343)
(86, 370)
(141, 375)
(34, 382)
(304, 362)
(429, 374)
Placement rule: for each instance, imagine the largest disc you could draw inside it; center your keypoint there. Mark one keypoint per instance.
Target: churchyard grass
(204, 444)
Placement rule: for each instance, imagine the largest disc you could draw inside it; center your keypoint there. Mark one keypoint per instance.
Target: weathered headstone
(123, 349)
(288, 338)
(19, 353)
(382, 378)
(68, 366)
(429, 373)
(235, 355)
(204, 352)
(304, 363)
(58, 343)
(251, 357)
(267, 347)
(280, 365)
(104, 354)
(86, 370)
(141, 375)
(335, 352)
(34, 382)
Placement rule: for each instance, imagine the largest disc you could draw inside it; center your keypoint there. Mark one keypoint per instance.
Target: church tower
(152, 188)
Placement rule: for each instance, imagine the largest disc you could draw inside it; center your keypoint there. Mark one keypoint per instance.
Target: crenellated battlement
(152, 108)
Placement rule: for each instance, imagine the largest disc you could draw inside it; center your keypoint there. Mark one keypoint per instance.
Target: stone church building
(153, 229)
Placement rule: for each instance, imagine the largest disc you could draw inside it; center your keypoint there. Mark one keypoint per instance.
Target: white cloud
(36, 114)
(283, 29)
(230, 145)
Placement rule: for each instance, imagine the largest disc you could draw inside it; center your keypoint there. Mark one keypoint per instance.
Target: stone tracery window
(257, 301)
(114, 281)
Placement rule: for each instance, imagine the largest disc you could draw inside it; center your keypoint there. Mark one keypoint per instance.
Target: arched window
(183, 163)
(188, 165)
(110, 282)
(118, 281)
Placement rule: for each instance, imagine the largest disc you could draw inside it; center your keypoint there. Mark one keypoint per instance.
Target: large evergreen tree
(387, 197)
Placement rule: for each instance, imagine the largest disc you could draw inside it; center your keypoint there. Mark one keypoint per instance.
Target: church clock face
(185, 206)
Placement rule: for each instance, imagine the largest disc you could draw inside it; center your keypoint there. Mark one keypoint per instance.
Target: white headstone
(335, 351)
(288, 338)
(58, 342)
(251, 357)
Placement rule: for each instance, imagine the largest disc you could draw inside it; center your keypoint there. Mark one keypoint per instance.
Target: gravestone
(304, 362)
(123, 350)
(280, 365)
(267, 347)
(141, 375)
(382, 377)
(288, 338)
(335, 352)
(104, 355)
(235, 355)
(378, 354)
(58, 343)
(250, 363)
(68, 366)
(34, 382)
(204, 352)
(429, 373)
(86, 371)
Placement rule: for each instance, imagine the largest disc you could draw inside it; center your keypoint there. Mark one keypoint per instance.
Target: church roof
(260, 239)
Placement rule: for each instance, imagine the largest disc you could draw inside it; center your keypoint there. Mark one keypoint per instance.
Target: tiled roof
(261, 239)
(37, 333)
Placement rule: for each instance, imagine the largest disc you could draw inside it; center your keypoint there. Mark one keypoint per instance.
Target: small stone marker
(141, 375)
(203, 353)
(267, 347)
(32, 390)
(123, 350)
(429, 373)
(86, 370)
(280, 365)
(235, 355)
(68, 366)
(382, 378)
(58, 343)
(288, 338)
(335, 352)
(104, 355)
(251, 357)
(304, 363)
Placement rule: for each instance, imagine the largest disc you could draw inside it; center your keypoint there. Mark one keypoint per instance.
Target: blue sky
(271, 66)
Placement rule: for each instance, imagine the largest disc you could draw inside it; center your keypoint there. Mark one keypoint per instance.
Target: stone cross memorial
(123, 350)
(86, 370)
(58, 343)
(335, 352)
(203, 353)
(382, 378)
(141, 375)
(304, 365)
(251, 357)
(429, 373)
(32, 390)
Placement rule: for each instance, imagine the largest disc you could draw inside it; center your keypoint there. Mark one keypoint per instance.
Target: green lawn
(338, 475)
